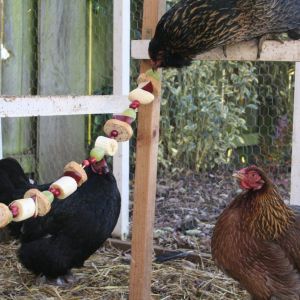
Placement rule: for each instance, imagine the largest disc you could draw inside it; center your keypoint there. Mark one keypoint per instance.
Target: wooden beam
(11, 106)
(145, 177)
(295, 174)
(272, 51)
(121, 86)
(193, 256)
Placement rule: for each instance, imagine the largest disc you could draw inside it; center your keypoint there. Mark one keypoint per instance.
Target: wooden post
(145, 177)
(121, 75)
(295, 176)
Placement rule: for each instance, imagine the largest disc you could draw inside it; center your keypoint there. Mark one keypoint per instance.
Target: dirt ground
(186, 210)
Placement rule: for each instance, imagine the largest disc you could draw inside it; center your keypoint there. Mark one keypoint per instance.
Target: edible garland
(118, 129)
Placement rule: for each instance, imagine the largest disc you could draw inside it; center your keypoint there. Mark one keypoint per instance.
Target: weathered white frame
(74, 105)
(272, 51)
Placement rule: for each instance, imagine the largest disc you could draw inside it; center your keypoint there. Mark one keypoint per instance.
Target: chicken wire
(228, 114)
(55, 48)
(263, 106)
(265, 138)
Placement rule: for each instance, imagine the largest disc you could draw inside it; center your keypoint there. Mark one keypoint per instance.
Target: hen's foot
(265, 37)
(70, 278)
(61, 281)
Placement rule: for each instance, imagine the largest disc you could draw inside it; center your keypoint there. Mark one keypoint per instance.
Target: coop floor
(187, 208)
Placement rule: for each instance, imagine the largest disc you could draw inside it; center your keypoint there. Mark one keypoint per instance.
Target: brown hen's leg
(261, 39)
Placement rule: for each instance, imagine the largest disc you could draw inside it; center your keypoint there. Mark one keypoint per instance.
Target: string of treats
(118, 129)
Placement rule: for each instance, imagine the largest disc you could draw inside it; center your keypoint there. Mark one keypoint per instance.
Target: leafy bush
(203, 113)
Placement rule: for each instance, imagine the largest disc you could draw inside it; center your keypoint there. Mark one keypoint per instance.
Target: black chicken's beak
(153, 65)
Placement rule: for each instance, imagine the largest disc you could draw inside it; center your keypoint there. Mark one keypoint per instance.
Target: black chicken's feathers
(73, 229)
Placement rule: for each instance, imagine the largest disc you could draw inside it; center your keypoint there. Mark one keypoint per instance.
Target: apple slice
(122, 118)
(5, 215)
(153, 74)
(146, 86)
(129, 112)
(143, 96)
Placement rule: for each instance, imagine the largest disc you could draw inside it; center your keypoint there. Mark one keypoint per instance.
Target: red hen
(256, 239)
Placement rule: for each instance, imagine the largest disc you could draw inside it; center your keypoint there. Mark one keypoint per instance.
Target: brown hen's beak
(238, 175)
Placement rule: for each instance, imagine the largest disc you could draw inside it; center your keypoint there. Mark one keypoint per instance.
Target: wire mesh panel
(227, 114)
(54, 48)
(217, 117)
(19, 76)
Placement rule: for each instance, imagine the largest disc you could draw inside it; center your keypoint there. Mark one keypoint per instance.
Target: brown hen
(256, 239)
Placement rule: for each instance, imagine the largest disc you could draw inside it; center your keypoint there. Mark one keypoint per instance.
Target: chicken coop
(66, 66)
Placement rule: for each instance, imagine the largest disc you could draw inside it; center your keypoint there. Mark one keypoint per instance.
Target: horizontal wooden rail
(27, 106)
(271, 51)
(191, 255)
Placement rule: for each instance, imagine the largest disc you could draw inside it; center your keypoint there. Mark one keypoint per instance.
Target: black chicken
(192, 27)
(73, 229)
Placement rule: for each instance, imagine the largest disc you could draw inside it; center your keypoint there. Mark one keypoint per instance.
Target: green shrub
(203, 113)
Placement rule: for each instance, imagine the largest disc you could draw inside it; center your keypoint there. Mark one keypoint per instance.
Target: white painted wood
(295, 175)
(1, 141)
(121, 84)
(272, 51)
(11, 106)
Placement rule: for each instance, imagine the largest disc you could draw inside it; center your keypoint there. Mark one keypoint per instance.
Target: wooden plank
(121, 86)
(62, 71)
(17, 75)
(11, 106)
(295, 174)
(272, 51)
(193, 256)
(145, 177)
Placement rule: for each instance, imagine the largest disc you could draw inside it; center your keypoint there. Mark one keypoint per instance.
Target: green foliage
(203, 113)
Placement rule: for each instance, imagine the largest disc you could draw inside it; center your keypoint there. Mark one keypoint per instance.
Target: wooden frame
(121, 86)
(145, 174)
(145, 188)
(271, 51)
(148, 126)
(11, 106)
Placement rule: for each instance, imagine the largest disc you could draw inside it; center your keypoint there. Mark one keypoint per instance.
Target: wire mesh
(214, 114)
(227, 114)
(54, 48)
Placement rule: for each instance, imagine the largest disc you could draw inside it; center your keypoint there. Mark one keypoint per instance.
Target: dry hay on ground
(186, 210)
(106, 276)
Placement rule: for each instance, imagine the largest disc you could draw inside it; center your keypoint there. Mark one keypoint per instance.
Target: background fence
(225, 115)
